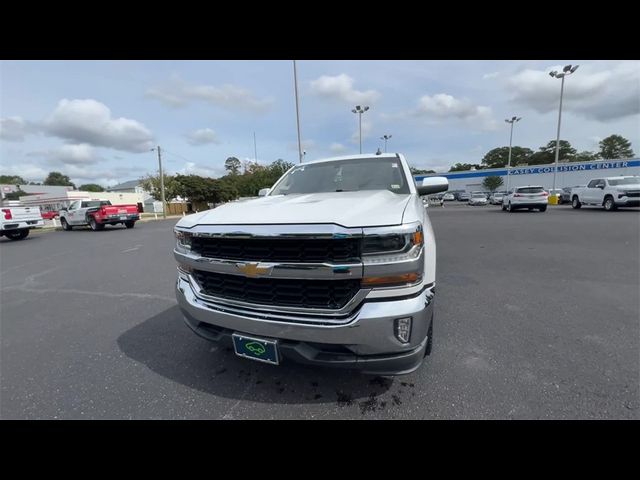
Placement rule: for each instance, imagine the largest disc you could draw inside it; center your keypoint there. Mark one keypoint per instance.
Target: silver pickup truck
(334, 265)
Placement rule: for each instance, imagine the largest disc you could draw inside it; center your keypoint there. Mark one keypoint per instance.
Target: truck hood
(349, 209)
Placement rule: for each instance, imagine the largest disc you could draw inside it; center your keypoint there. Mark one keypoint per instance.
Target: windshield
(478, 195)
(345, 176)
(530, 190)
(625, 181)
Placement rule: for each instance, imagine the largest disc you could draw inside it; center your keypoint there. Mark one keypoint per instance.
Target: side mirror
(263, 192)
(601, 187)
(433, 185)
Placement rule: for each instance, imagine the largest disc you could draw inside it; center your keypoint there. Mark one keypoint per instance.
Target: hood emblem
(254, 269)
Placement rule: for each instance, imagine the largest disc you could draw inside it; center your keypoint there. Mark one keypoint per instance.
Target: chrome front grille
(294, 250)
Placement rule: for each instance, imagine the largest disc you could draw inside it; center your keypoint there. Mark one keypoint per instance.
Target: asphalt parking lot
(537, 317)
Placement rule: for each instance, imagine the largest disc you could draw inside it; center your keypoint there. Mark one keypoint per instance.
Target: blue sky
(96, 120)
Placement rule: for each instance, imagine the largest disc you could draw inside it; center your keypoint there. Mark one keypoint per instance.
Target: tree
(459, 167)
(280, 167)
(547, 154)
(196, 188)
(418, 171)
(151, 183)
(232, 165)
(499, 157)
(91, 187)
(57, 178)
(586, 157)
(615, 146)
(492, 183)
(12, 180)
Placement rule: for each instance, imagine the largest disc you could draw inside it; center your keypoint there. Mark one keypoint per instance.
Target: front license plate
(123, 217)
(256, 348)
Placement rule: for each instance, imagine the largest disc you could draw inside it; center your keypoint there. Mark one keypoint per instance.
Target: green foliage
(586, 157)
(459, 167)
(492, 183)
(57, 178)
(499, 157)
(615, 146)
(418, 171)
(91, 187)
(151, 183)
(12, 180)
(547, 154)
(232, 165)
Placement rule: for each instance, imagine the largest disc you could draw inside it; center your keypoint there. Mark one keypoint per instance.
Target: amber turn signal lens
(417, 238)
(392, 280)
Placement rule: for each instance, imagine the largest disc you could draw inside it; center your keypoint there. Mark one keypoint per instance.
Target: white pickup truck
(17, 221)
(610, 193)
(334, 265)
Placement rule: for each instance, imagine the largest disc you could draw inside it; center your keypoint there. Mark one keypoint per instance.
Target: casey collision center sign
(573, 168)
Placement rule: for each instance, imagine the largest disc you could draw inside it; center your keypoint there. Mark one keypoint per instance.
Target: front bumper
(367, 342)
(628, 202)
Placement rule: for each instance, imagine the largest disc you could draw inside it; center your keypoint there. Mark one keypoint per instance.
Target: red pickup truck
(97, 214)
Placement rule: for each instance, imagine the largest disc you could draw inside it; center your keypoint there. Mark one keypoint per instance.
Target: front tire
(509, 208)
(65, 225)
(575, 203)
(19, 235)
(504, 207)
(609, 204)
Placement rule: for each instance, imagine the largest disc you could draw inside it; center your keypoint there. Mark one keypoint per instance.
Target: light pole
(164, 203)
(360, 110)
(567, 70)
(512, 121)
(295, 84)
(385, 138)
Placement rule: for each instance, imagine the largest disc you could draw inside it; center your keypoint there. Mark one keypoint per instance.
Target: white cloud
(442, 107)
(30, 172)
(489, 76)
(592, 91)
(82, 154)
(14, 129)
(178, 93)
(337, 148)
(89, 121)
(340, 87)
(192, 168)
(202, 136)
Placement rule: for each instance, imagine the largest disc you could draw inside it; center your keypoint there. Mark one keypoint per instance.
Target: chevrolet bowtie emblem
(253, 269)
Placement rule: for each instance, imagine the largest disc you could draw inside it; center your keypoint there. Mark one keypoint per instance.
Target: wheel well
(608, 195)
(574, 197)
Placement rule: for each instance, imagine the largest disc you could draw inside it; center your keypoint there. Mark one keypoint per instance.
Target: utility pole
(164, 203)
(255, 148)
(512, 121)
(295, 83)
(359, 111)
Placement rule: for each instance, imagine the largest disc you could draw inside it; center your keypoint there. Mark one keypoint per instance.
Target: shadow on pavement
(169, 348)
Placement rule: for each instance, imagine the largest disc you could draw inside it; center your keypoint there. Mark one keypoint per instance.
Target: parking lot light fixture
(567, 70)
(385, 138)
(512, 121)
(360, 110)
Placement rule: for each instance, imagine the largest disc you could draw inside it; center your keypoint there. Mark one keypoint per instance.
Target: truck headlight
(380, 242)
(183, 241)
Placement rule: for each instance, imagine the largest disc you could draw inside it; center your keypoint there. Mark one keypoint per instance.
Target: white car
(448, 197)
(496, 198)
(334, 265)
(478, 199)
(530, 197)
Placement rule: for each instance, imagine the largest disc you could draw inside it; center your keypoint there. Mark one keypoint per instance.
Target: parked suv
(334, 265)
(610, 193)
(530, 197)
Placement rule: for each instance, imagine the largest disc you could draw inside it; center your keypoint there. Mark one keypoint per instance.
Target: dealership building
(569, 174)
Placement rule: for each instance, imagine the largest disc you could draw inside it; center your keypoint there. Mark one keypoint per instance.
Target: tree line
(612, 147)
(240, 181)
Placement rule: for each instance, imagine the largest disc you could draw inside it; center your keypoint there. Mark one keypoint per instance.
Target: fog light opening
(403, 329)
